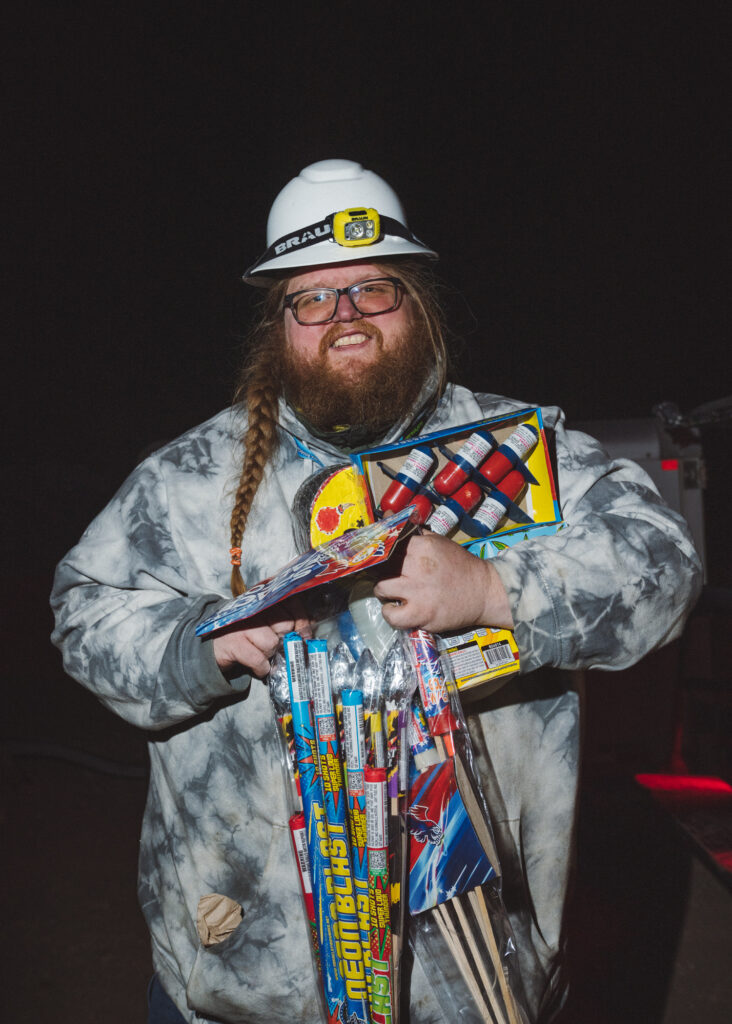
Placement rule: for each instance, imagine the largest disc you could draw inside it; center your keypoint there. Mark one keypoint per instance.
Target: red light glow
(670, 464)
(684, 783)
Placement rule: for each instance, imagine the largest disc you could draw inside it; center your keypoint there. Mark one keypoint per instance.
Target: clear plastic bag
(394, 750)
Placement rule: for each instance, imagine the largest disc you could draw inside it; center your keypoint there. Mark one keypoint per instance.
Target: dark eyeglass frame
(290, 299)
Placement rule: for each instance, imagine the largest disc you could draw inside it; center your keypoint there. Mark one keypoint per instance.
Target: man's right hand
(255, 643)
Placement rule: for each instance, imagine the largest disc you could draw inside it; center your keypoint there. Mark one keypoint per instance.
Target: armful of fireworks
(397, 835)
(391, 831)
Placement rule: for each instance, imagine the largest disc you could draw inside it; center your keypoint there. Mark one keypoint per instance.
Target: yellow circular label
(339, 505)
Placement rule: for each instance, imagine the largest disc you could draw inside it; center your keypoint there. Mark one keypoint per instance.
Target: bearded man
(348, 352)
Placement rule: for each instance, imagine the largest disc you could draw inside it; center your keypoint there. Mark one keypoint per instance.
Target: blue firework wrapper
(353, 965)
(446, 855)
(311, 788)
(351, 553)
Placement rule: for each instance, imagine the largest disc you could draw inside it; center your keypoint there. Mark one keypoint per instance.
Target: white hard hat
(332, 212)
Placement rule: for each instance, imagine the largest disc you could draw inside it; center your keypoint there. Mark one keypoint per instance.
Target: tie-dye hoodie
(616, 583)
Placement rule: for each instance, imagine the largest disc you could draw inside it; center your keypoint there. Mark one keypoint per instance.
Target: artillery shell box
(481, 658)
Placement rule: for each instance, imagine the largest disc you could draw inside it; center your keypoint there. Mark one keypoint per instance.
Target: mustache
(337, 330)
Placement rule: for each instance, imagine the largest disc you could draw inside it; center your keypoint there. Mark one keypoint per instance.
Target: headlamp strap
(319, 232)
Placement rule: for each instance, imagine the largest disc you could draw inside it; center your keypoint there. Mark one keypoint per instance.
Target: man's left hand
(443, 588)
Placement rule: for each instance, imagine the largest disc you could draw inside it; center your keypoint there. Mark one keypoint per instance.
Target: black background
(569, 162)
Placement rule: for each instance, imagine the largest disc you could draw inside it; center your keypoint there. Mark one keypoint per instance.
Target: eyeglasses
(313, 306)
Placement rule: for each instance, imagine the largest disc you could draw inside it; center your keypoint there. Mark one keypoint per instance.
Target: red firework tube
(473, 451)
(517, 448)
(415, 468)
(298, 832)
(496, 505)
(447, 516)
(512, 485)
(432, 685)
(422, 508)
(419, 739)
(377, 841)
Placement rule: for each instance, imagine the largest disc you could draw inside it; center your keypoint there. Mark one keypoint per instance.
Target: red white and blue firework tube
(415, 468)
(432, 684)
(377, 839)
(311, 788)
(419, 739)
(353, 730)
(456, 472)
(351, 958)
(300, 845)
(515, 449)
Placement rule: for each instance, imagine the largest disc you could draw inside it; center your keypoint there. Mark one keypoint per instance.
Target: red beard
(374, 396)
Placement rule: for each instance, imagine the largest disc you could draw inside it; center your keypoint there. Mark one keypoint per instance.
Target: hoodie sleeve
(619, 578)
(125, 616)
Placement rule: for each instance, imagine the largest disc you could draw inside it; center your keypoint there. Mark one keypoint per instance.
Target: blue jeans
(161, 1008)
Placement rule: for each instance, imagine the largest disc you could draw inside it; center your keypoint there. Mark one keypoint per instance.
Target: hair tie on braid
(235, 556)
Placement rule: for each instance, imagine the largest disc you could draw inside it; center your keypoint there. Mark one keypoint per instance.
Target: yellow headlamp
(356, 227)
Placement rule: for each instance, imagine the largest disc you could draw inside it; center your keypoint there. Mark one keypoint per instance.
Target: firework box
(345, 555)
(450, 850)
(481, 659)
(539, 501)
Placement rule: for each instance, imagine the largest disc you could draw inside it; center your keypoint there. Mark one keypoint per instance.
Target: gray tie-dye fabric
(614, 584)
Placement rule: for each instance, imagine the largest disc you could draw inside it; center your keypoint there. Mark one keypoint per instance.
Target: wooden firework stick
(398, 836)
(475, 812)
(476, 896)
(477, 900)
(432, 828)
(452, 940)
(473, 945)
(435, 697)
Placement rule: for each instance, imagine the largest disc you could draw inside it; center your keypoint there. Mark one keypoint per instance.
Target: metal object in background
(669, 447)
